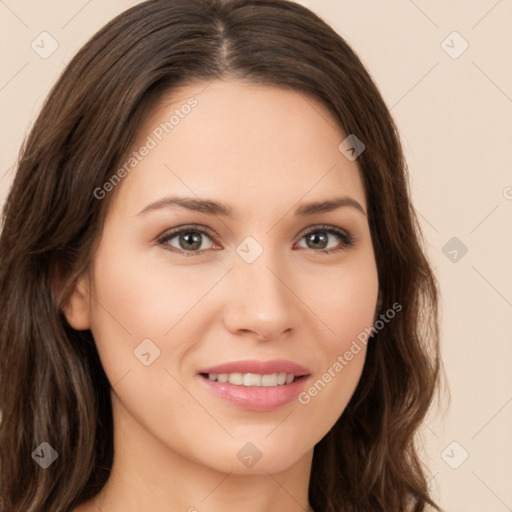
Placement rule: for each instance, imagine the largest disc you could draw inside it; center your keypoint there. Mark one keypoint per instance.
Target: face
(226, 306)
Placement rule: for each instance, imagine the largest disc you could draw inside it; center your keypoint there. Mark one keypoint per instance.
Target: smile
(256, 385)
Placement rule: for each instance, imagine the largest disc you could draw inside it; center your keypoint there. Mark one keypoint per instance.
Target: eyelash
(346, 239)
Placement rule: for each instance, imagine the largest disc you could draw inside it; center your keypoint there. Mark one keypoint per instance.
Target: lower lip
(257, 398)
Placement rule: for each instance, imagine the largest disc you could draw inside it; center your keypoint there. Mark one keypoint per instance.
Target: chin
(252, 455)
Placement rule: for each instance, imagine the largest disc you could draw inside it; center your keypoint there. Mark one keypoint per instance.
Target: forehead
(256, 147)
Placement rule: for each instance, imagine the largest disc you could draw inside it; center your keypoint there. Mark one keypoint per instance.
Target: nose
(260, 301)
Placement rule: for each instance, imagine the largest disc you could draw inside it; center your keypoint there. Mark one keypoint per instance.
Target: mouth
(256, 385)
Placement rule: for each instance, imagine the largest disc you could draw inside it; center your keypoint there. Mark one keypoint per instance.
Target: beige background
(455, 117)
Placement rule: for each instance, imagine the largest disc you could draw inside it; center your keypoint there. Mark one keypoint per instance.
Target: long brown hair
(53, 387)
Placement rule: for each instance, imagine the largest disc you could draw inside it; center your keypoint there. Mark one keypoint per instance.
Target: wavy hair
(53, 387)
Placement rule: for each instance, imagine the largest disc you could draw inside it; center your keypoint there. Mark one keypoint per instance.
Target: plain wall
(454, 113)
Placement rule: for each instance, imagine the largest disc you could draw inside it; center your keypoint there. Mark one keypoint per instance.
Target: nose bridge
(260, 301)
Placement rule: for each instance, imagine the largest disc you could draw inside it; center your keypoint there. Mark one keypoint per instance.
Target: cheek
(137, 299)
(346, 305)
(352, 308)
(344, 299)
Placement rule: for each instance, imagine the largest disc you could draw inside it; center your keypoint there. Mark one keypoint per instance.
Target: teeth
(253, 379)
(269, 380)
(236, 378)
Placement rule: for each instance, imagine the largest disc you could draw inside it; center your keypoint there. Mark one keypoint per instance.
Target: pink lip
(257, 398)
(259, 367)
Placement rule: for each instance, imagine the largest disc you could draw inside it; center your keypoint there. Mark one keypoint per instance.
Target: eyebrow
(211, 207)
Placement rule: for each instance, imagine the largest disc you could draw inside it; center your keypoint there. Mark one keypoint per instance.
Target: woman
(213, 288)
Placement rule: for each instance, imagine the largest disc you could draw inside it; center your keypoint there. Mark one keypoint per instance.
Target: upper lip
(258, 367)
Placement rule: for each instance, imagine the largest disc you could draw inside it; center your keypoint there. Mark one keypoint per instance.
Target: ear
(77, 308)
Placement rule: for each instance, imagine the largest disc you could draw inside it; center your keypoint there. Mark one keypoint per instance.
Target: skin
(264, 151)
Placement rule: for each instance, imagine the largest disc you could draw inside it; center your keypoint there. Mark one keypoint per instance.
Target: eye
(318, 239)
(190, 240)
